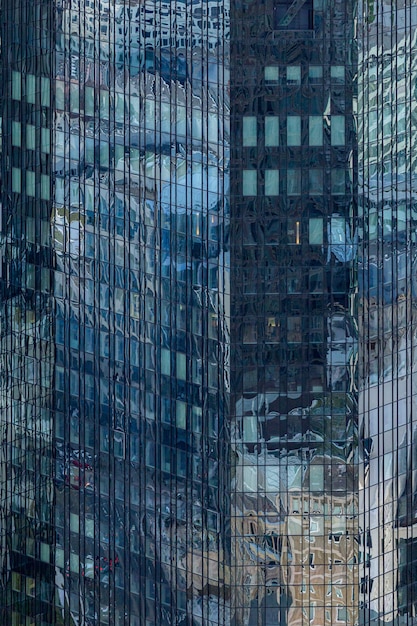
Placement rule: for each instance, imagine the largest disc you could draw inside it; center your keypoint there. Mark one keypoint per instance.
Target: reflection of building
(319, 562)
(207, 325)
(387, 141)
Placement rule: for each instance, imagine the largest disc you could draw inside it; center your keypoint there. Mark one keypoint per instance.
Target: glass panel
(315, 180)
(249, 131)
(30, 137)
(293, 182)
(316, 230)
(74, 98)
(337, 126)
(60, 95)
(89, 100)
(272, 131)
(44, 187)
(338, 182)
(271, 182)
(45, 140)
(45, 91)
(16, 180)
(30, 183)
(337, 73)
(16, 134)
(271, 74)
(315, 73)
(30, 88)
(293, 74)
(16, 86)
(249, 182)
(293, 130)
(315, 130)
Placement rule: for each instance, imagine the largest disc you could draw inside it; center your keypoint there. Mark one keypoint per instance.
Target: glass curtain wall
(115, 310)
(294, 522)
(387, 142)
(140, 288)
(26, 317)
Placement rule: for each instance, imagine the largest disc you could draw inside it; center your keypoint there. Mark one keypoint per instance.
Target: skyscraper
(207, 313)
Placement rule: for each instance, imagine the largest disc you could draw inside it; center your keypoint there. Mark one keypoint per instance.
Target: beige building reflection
(300, 545)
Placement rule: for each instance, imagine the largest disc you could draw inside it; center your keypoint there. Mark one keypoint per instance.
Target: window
(30, 586)
(315, 130)
(16, 180)
(337, 73)
(271, 74)
(45, 91)
(316, 230)
(293, 130)
(338, 182)
(44, 187)
(337, 130)
(30, 88)
(30, 183)
(30, 137)
(289, 16)
(293, 74)
(315, 181)
(45, 140)
(16, 86)
(16, 134)
(249, 183)
(293, 182)
(315, 73)
(16, 582)
(342, 614)
(271, 131)
(249, 131)
(271, 182)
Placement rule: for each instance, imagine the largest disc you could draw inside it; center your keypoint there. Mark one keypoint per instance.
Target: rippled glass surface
(387, 135)
(294, 415)
(207, 326)
(115, 316)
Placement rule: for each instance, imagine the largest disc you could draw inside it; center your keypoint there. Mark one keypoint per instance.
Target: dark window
(293, 14)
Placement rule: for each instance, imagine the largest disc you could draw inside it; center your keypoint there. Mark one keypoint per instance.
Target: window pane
(338, 182)
(45, 91)
(337, 73)
(337, 130)
(30, 137)
(16, 180)
(293, 130)
(44, 187)
(272, 131)
(59, 95)
(315, 130)
(16, 134)
(293, 74)
(89, 100)
(315, 180)
(271, 74)
(249, 131)
(271, 182)
(249, 182)
(293, 182)
(315, 73)
(30, 183)
(316, 230)
(16, 86)
(45, 140)
(30, 88)
(74, 98)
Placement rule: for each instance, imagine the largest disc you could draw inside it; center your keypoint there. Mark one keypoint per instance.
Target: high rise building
(207, 313)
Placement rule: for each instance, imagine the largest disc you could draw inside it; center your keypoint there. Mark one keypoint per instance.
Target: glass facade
(207, 325)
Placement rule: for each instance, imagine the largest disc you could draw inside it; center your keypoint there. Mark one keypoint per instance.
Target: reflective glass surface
(207, 313)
